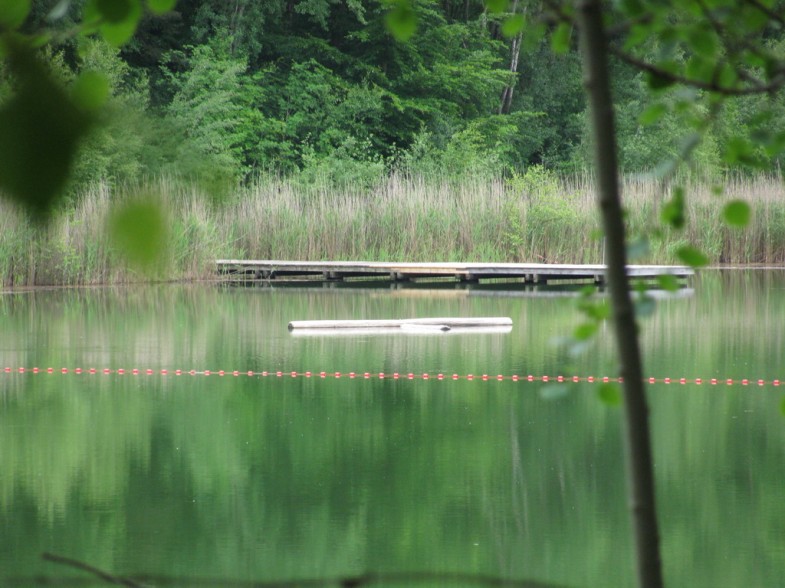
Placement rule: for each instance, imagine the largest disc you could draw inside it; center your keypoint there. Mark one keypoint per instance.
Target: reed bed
(536, 217)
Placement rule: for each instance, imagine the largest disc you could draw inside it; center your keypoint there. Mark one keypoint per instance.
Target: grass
(536, 217)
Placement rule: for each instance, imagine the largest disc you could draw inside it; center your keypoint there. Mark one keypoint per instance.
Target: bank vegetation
(535, 217)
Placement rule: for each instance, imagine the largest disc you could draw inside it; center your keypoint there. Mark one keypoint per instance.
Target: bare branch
(367, 579)
(712, 86)
(767, 11)
(622, 27)
(105, 576)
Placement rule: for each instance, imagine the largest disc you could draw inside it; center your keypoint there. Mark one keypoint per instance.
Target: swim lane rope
(387, 375)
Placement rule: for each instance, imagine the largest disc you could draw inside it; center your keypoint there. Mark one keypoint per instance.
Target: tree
(718, 50)
(718, 63)
(637, 438)
(208, 106)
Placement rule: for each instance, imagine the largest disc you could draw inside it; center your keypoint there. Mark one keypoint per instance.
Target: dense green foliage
(218, 91)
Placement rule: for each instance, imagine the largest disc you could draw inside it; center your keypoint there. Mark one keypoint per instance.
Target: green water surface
(254, 478)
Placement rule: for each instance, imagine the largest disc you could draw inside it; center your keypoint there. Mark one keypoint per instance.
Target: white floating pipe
(401, 331)
(432, 323)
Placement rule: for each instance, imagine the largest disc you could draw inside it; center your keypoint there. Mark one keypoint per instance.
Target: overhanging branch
(776, 17)
(713, 86)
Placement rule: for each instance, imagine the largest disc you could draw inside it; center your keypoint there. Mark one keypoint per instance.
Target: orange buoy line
(385, 375)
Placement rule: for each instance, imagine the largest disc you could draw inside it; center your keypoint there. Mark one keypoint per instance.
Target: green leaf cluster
(47, 117)
(42, 125)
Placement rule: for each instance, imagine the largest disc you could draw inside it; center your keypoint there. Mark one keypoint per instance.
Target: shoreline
(309, 283)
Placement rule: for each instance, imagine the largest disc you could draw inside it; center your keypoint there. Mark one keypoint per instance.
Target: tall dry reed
(533, 218)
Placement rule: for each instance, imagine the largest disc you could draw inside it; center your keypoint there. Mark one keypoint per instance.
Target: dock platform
(530, 273)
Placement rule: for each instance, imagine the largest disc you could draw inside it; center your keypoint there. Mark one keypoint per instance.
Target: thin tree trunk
(515, 53)
(234, 24)
(638, 454)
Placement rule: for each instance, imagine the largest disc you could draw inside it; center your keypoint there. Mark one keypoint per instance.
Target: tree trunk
(515, 54)
(638, 454)
(234, 24)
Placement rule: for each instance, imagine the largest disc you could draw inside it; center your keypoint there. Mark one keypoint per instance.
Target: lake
(263, 478)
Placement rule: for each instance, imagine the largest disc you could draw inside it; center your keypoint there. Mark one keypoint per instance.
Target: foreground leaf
(652, 114)
(116, 19)
(138, 230)
(401, 20)
(497, 6)
(673, 211)
(13, 13)
(585, 331)
(668, 282)
(41, 128)
(513, 25)
(161, 6)
(114, 11)
(560, 41)
(609, 393)
(692, 256)
(90, 90)
(737, 213)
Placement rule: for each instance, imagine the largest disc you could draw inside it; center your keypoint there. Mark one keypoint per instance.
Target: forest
(221, 91)
(306, 129)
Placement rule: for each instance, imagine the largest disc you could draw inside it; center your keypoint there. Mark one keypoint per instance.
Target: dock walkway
(532, 273)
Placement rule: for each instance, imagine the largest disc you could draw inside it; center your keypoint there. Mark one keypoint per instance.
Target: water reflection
(253, 479)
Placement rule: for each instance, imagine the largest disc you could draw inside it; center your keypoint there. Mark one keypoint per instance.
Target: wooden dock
(530, 273)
